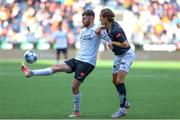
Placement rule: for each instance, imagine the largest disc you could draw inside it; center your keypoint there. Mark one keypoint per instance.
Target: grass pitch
(153, 91)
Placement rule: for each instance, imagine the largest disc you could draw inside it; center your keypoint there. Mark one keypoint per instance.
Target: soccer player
(83, 64)
(123, 59)
(60, 41)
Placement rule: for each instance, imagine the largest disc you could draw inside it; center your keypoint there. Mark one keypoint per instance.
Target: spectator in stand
(41, 14)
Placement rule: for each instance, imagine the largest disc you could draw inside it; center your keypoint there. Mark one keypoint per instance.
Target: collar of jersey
(89, 27)
(113, 24)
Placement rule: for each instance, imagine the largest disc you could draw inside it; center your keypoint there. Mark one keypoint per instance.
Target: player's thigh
(58, 51)
(123, 70)
(116, 64)
(115, 68)
(69, 66)
(83, 69)
(64, 50)
(60, 68)
(127, 60)
(72, 63)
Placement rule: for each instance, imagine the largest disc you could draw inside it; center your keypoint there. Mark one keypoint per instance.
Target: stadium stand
(27, 24)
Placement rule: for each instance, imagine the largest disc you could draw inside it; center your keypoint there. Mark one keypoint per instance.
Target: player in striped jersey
(83, 64)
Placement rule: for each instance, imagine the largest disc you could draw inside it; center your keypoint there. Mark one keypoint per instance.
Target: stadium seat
(43, 45)
(26, 46)
(6, 46)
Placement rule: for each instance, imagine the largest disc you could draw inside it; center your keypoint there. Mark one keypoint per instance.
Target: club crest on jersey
(118, 35)
(82, 74)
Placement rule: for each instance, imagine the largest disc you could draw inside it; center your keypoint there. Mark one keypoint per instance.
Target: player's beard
(86, 24)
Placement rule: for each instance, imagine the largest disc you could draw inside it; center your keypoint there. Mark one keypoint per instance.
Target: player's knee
(119, 81)
(114, 77)
(75, 89)
(121, 77)
(114, 81)
(54, 68)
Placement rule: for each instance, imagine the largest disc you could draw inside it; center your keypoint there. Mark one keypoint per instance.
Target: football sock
(117, 88)
(76, 102)
(42, 72)
(122, 94)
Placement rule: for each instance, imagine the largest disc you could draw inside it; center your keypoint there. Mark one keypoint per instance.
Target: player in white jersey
(82, 65)
(60, 40)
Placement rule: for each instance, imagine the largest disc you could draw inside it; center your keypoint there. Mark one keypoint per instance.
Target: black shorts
(63, 50)
(81, 69)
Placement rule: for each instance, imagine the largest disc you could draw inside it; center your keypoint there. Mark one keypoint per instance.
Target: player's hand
(98, 30)
(110, 45)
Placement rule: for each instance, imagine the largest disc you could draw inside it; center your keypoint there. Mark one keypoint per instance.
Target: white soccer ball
(30, 57)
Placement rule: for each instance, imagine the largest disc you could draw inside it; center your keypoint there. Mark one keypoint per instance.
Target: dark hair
(88, 13)
(108, 13)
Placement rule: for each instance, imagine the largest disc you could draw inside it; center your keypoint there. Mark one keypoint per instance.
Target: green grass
(153, 91)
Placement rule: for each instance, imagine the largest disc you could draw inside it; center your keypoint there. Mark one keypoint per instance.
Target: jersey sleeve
(105, 36)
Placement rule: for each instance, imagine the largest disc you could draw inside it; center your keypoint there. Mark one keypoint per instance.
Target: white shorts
(123, 62)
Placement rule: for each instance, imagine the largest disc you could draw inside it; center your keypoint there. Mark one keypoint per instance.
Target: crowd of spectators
(151, 21)
(33, 21)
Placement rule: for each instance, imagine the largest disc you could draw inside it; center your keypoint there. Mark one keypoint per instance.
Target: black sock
(122, 94)
(117, 87)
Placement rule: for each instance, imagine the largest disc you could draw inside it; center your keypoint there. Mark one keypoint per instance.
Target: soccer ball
(30, 56)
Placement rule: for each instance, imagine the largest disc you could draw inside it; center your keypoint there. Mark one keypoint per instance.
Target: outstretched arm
(124, 44)
(101, 31)
(98, 30)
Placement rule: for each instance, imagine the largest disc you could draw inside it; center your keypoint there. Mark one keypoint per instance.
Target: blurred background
(152, 26)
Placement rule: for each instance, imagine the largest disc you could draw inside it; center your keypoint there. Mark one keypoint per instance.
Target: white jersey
(60, 38)
(89, 45)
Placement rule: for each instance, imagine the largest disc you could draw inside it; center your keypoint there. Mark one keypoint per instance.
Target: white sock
(42, 72)
(76, 102)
